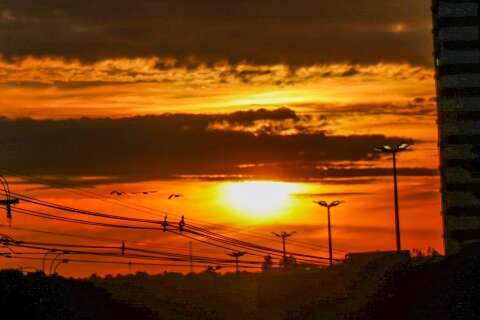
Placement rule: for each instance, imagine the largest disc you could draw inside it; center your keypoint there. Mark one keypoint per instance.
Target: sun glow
(259, 199)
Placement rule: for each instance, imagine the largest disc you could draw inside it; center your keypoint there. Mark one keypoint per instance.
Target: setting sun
(259, 199)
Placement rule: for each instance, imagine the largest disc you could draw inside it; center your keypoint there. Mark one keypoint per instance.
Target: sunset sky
(249, 109)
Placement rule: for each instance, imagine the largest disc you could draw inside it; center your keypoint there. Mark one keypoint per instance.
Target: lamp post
(58, 255)
(52, 262)
(284, 235)
(236, 255)
(393, 150)
(58, 265)
(328, 206)
(214, 269)
(45, 258)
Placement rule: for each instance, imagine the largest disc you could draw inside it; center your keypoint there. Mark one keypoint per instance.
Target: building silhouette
(456, 30)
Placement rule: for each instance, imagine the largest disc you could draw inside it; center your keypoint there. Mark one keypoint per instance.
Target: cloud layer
(185, 145)
(190, 32)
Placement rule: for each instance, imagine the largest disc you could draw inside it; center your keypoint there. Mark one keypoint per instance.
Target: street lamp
(284, 235)
(58, 265)
(45, 258)
(394, 150)
(59, 254)
(52, 263)
(213, 270)
(237, 255)
(328, 206)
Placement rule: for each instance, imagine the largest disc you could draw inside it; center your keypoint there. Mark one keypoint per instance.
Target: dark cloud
(418, 107)
(173, 145)
(300, 32)
(250, 116)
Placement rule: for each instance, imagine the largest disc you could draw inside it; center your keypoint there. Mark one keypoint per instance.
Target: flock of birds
(122, 193)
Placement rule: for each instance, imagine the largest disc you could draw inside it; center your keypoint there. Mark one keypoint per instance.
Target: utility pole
(328, 206)
(122, 248)
(237, 255)
(283, 235)
(190, 249)
(8, 204)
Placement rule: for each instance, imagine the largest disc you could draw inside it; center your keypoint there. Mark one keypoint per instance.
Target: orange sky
(390, 99)
(249, 136)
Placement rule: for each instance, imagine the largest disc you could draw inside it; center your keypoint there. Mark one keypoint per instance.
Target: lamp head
(384, 148)
(322, 203)
(336, 203)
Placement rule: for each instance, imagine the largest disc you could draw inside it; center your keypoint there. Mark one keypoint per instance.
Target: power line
(120, 262)
(67, 249)
(134, 206)
(193, 229)
(200, 231)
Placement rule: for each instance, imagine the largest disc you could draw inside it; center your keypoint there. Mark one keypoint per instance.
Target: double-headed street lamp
(237, 255)
(284, 235)
(328, 206)
(393, 150)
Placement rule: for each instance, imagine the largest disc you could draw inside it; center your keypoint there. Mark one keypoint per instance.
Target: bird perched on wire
(164, 224)
(174, 195)
(118, 193)
(181, 224)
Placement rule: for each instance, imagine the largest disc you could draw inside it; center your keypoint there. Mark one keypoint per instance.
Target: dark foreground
(384, 287)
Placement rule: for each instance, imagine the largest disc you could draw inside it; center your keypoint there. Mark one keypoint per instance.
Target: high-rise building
(456, 30)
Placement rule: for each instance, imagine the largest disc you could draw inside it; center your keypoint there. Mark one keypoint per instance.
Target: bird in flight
(121, 193)
(118, 193)
(174, 195)
(145, 192)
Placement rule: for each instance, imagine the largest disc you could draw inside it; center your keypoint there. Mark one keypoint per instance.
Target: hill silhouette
(35, 296)
(296, 293)
(369, 286)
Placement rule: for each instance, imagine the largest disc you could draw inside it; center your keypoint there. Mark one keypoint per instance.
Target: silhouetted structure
(35, 296)
(237, 255)
(9, 201)
(284, 235)
(328, 206)
(267, 264)
(393, 150)
(290, 262)
(457, 63)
